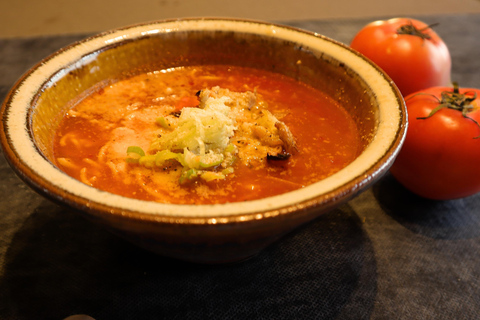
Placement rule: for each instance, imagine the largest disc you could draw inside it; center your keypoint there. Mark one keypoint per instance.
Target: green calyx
(410, 29)
(457, 101)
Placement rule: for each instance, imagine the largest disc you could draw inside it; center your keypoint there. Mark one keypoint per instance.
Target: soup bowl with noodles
(206, 139)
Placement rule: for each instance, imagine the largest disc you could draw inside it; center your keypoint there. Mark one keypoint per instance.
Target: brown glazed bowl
(202, 233)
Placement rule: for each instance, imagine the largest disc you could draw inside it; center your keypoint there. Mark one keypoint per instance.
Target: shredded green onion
(211, 160)
(134, 153)
(199, 141)
(163, 122)
(162, 156)
(188, 175)
(227, 171)
(231, 148)
(137, 150)
(147, 161)
(210, 176)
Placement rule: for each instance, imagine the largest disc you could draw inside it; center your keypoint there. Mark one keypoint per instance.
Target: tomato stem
(456, 101)
(410, 29)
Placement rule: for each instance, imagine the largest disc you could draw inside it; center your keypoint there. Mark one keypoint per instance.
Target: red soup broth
(91, 142)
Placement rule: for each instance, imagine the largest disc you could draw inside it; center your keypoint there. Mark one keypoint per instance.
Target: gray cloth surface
(387, 254)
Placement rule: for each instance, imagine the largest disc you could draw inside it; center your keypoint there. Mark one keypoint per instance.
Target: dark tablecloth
(386, 254)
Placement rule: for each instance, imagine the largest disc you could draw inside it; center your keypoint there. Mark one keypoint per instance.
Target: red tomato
(408, 50)
(440, 157)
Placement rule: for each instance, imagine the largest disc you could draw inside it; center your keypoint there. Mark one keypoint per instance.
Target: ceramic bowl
(202, 233)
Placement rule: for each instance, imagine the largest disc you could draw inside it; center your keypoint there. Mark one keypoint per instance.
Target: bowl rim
(24, 158)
